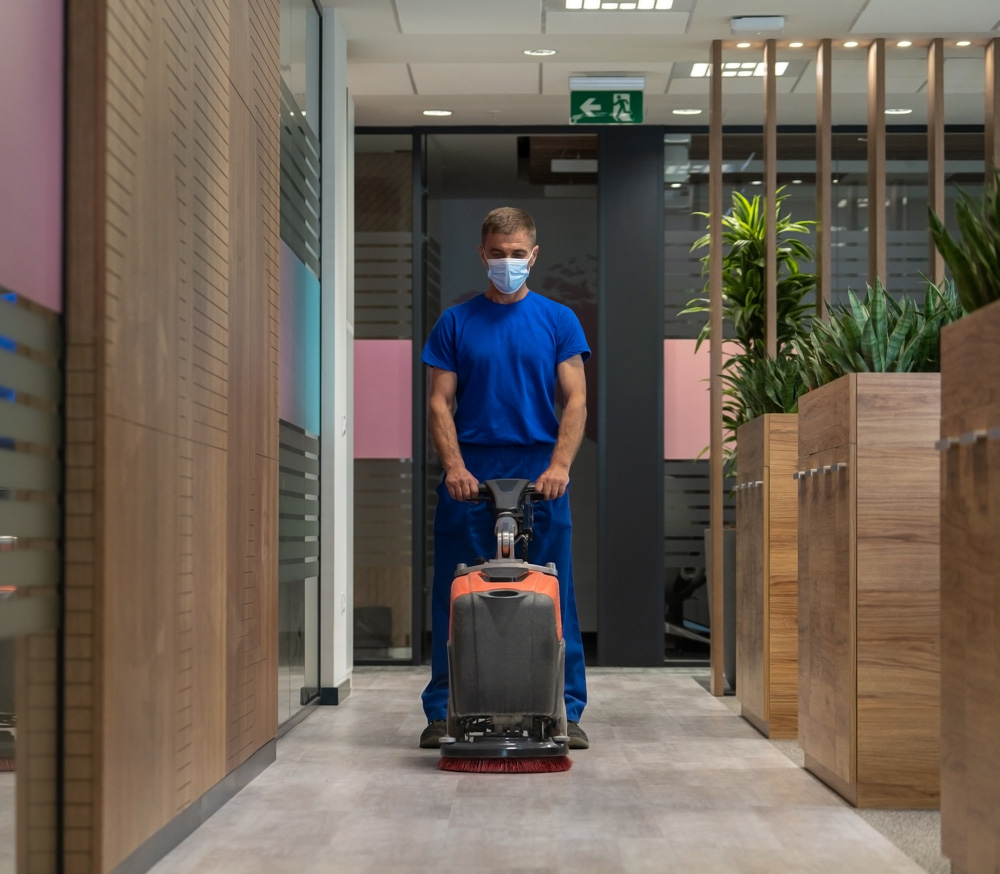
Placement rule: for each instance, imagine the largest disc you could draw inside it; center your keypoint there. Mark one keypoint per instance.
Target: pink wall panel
(31, 149)
(686, 404)
(383, 399)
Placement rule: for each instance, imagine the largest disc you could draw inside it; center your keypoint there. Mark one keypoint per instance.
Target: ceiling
(405, 56)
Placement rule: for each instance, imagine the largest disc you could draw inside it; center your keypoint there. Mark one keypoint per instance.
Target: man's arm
(461, 484)
(573, 382)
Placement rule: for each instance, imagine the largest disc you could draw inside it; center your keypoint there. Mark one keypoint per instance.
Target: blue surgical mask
(508, 274)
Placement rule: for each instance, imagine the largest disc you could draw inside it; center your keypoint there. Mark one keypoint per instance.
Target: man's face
(516, 245)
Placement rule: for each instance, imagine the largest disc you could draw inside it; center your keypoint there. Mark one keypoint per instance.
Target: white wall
(337, 327)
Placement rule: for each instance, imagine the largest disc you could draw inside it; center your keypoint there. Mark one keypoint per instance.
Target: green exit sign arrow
(605, 107)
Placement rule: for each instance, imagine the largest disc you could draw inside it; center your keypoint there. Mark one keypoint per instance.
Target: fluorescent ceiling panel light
(795, 45)
(904, 44)
(675, 184)
(754, 68)
(963, 43)
(898, 111)
(540, 53)
(850, 44)
(607, 83)
(686, 112)
(729, 74)
(437, 112)
(615, 6)
(756, 24)
(743, 45)
(573, 165)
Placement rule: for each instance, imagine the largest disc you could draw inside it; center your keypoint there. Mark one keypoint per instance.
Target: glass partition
(299, 372)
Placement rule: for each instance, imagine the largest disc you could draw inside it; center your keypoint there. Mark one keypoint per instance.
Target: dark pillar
(629, 360)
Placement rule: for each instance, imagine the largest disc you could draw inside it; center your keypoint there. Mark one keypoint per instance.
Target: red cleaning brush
(505, 765)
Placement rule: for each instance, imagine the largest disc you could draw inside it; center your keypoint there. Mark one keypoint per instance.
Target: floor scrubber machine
(506, 710)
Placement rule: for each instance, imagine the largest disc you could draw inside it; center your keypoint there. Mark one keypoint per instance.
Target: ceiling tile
(371, 79)
(439, 17)
(927, 16)
(963, 76)
(616, 23)
(476, 79)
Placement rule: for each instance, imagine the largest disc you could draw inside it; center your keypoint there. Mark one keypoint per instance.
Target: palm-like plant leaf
(974, 261)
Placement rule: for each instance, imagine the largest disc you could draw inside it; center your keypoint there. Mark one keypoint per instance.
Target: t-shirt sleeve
(571, 339)
(439, 350)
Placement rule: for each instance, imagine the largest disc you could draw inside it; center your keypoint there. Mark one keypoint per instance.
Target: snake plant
(975, 261)
(878, 335)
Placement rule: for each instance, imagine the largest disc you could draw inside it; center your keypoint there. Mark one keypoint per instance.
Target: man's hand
(461, 484)
(552, 484)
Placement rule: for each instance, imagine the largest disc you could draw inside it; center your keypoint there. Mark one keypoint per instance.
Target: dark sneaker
(430, 738)
(578, 739)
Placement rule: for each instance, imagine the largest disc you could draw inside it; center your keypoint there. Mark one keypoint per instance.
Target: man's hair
(509, 220)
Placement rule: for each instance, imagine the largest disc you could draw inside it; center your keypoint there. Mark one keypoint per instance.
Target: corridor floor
(674, 782)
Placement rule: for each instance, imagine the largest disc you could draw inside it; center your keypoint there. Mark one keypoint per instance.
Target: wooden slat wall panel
(935, 149)
(824, 177)
(876, 162)
(172, 453)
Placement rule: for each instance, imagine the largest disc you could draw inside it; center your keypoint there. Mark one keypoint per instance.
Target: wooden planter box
(970, 593)
(869, 617)
(767, 575)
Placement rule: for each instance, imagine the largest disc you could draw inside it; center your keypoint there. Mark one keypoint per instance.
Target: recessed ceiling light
(898, 111)
(743, 45)
(437, 112)
(686, 111)
(904, 44)
(540, 53)
(795, 45)
(675, 184)
(796, 182)
(850, 44)
(756, 182)
(964, 42)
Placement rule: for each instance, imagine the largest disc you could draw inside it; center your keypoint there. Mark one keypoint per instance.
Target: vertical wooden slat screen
(717, 683)
(770, 195)
(992, 105)
(824, 177)
(935, 148)
(876, 162)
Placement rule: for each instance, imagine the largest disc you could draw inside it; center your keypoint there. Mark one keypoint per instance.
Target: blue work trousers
(463, 532)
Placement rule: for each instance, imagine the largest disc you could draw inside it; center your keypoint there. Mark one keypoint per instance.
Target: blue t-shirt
(505, 357)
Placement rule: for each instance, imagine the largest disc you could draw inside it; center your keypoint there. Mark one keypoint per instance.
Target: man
(495, 362)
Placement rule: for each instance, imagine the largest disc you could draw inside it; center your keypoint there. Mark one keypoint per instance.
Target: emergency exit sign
(605, 107)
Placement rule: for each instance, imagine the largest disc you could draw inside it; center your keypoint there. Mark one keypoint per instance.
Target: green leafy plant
(878, 335)
(975, 261)
(753, 387)
(744, 295)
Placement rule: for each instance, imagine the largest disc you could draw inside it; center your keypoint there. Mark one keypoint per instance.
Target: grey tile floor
(674, 782)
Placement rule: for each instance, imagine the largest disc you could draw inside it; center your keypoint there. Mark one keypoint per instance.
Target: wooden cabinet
(767, 575)
(869, 604)
(970, 593)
